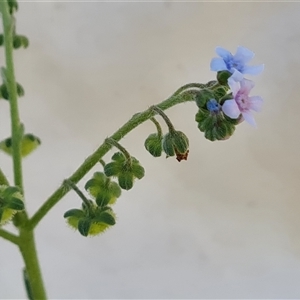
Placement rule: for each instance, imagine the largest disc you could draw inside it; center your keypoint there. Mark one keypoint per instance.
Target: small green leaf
(106, 218)
(126, 180)
(153, 144)
(114, 189)
(15, 204)
(119, 156)
(112, 169)
(103, 198)
(78, 213)
(138, 171)
(84, 226)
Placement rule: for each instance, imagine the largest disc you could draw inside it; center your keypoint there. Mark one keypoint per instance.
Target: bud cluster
(11, 201)
(172, 143)
(97, 215)
(227, 103)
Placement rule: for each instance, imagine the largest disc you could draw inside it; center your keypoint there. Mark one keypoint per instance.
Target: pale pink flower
(242, 103)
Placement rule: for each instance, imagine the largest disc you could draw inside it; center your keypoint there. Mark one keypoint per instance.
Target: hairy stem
(26, 239)
(87, 165)
(157, 125)
(113, 142)
(165, 117)
(78, 192)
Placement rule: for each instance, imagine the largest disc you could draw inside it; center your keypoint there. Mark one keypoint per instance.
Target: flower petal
(217, 64)
(256, 103)
(237, 76)
(253, 70)
(243, 54)
(246, 86)
(231, 109)
(234, 85)
(225, 54)
(249, 118)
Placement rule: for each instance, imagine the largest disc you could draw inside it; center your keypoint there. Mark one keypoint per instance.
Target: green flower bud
(222, 77)
(125, 180)
(153, 144)
(125, 169)
(1, 39)
(20, 41)
(91, 221)
(137, 170)
(11, 201)
(203, 96)
(4, 91)
(176, 142)
(215, 125)
(103, 189)
(29, 143)
(13, 6)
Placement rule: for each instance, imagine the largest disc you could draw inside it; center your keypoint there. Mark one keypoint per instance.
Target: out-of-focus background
(225, 223)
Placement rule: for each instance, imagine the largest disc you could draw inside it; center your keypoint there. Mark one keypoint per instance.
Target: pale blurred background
(225, 223)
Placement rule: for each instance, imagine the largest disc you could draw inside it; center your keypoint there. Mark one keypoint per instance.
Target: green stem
(3, 179)
(94, 158)
(9, 236)
(113, 142)
(26, 239)
(8, 28)
(29, 253)
(165, 117)
(73, 186)
(192, 86)
(157, 125)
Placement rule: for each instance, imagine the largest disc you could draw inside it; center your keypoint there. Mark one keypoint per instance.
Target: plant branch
(137, 119)
(9, 236)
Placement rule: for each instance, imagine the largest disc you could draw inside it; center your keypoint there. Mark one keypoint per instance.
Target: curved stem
(191, 86)
(87, 165)
(73, 186)
(113, 142)
(9, 236)
(165, 117)
(158, 127)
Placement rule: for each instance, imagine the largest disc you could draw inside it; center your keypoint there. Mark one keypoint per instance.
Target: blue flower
(213, 106)
(236, 62)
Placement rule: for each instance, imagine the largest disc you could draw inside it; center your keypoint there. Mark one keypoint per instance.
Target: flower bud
(91, 221)
(4, 91)
(203, 96)
(11, 201)
(125, 180)
(176, 142)
(125, 169)
(153, 144)
(29, 143)
(20, 41)
(13, 6)
(214, 123)
(103, 189)
(222, 77)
